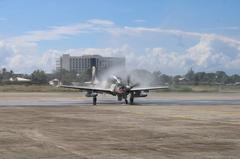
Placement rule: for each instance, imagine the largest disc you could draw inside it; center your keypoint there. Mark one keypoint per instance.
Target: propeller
(135, 85)
(129, 86)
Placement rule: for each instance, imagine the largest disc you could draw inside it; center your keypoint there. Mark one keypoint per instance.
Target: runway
(169, 125)
(112, 101)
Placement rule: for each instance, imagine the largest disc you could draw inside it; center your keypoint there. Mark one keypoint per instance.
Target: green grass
(204, 88)
(180, 88)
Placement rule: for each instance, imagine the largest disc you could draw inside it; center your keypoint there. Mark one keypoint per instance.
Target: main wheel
(131, 100)
(126, 101)
(94, 100)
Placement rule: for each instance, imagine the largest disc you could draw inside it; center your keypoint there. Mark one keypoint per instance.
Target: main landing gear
(94, 100)
(131, 101)
(131, 98)
(126, 101)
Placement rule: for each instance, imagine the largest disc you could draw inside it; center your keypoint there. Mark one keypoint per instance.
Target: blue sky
(202, 34)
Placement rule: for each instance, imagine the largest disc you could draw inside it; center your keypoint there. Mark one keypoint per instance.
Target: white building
(83, 63)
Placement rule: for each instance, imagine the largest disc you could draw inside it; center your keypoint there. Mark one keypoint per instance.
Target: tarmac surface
(78, 99)
(144, 102)
(164, 125)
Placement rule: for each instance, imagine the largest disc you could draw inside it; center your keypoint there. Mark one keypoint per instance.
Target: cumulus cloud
(21, 54)
(202, 57)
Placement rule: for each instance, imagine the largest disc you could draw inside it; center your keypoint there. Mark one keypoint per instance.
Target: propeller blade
(117, 79)
(135, 85)
(129, 82)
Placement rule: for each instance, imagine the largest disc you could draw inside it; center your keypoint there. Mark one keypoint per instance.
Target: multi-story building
(83, 63)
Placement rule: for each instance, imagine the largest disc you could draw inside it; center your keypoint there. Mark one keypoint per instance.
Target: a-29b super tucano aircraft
(117, 88)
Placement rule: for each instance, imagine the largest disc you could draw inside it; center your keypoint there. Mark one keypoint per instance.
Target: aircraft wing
(149, 88)
(87, 88)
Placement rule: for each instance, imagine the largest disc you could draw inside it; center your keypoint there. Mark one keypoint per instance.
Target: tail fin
(93, 74)
(94, 80)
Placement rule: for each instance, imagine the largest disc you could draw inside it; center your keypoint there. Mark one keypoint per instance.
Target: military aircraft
(117, 88)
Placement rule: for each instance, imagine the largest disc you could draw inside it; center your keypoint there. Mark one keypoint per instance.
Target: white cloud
(225, 39)
(59, 32)
(21, 54)
(201, 52)
(202, 57)
(101, 22)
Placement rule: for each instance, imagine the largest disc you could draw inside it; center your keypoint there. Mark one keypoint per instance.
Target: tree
(11, 72)
(201, 78)
(39, 77)
(210, 78)
(190, 75)
(176, 79)
(5, 76)
(234, 78)
(4, 70)
(165, 79)
(221, 77)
